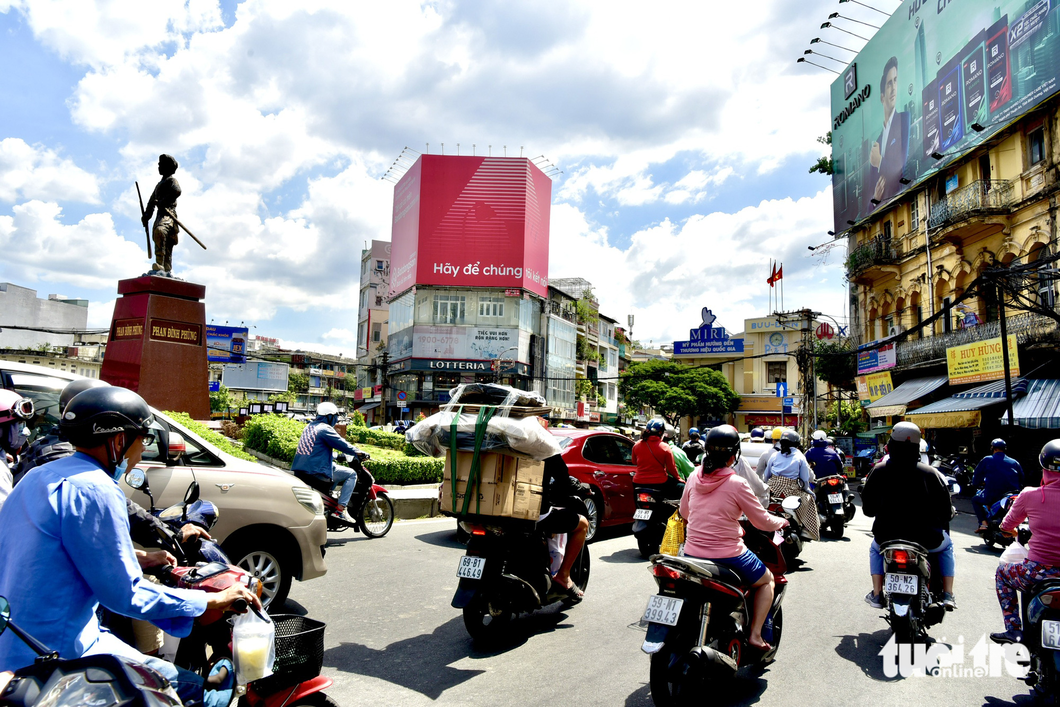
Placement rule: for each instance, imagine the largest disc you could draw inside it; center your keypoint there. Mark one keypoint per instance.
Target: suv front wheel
(265, 561)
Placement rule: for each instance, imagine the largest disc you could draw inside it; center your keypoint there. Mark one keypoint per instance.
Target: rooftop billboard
(939, 77)
(226, 344)
(471, 222)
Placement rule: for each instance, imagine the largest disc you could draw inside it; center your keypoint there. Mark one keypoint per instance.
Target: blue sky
(684, 133)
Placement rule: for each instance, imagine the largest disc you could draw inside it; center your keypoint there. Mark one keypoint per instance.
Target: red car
(603, 460)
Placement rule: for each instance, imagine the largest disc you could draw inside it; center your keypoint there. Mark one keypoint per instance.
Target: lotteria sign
(471, 222)
(708, 339)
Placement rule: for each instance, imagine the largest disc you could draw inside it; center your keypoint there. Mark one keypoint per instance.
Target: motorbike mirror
(136, 478)
(955, 488)
(192, 494)
(5, 613)
(791, 503)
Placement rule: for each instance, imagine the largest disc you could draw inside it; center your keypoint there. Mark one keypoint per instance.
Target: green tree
(836, 363)
(298, 383)
(287, 396)
(222, 400)
(357, 419)
(675, 390)
(852, 419)
(824, 165)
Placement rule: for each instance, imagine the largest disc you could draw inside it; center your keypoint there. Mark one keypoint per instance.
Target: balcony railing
(978, 198)
(1028, 327)
(878, 251)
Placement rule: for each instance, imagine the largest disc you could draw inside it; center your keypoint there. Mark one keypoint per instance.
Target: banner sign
(226, 344)
(939, 77)
(876, 359)
(874, 387)
(460, 342)
(707, 339)
(127, 329)
(175, 332)
(982, 361)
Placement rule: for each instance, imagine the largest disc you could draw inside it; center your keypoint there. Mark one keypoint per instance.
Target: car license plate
(471, 567)
(1051, 634)
(835, 498)
(900, 583)
(642, 514)
(663, 610)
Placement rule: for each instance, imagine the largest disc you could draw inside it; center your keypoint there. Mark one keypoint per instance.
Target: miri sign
(708, 339)
(982, 361)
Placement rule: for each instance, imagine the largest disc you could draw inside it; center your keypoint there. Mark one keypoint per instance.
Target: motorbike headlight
(309, 499)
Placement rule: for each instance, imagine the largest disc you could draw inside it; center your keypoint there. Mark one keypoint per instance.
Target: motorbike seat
(316, 482)
(710, 570)
(907, 543)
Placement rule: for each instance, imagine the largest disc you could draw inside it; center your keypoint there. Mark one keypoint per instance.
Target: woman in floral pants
(1041, 507)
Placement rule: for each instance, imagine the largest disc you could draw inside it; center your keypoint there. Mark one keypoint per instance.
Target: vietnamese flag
(771, 280)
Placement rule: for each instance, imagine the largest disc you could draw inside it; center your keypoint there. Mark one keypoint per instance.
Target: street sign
(782, 389)
(787, 409)
(404, 409)
(788, 402)
(402, 396)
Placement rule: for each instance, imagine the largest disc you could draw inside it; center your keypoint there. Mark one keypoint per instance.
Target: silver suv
(269, 522)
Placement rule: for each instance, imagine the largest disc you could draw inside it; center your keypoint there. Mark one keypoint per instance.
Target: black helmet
(789, 439)
(1050, 456)
(97, 414)
(999, 444)
(78, 386)
(722, 442)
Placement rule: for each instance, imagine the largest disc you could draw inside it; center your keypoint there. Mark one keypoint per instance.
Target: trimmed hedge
(216, 439)
(379, 438)
(273, 435)
(407, 470)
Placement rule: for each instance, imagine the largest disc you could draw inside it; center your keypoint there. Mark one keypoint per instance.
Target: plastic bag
(520, 434)
(673, 541)
(253, 646)
(557, 546)
(1013, 554)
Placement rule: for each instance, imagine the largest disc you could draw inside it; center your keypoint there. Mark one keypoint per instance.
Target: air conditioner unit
(895, 330)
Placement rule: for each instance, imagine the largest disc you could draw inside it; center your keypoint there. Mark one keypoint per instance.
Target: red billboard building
(468, 275)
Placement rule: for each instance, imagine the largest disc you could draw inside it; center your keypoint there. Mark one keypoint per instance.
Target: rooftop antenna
(458, 149)
(472, 149)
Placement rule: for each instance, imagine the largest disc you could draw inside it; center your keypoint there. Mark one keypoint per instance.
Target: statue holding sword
(167, 226)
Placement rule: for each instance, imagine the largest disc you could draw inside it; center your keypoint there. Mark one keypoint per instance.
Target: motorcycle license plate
(663, 610)
(835, 498)
(900, 583)
(1051, 634)
(642, 514)
(471, 567)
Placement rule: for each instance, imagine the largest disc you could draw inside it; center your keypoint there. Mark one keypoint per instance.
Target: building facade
(22, 308)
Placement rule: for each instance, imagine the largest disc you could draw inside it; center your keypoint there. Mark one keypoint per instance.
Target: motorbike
(699, 622)
(913, 583)
(299, 642)
(506, 571)
(957, 466)
(649, 519)
(995, 514)
(97, 680)
(371, 510)
(835, 504)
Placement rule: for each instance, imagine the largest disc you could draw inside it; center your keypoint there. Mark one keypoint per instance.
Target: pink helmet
(14, 407)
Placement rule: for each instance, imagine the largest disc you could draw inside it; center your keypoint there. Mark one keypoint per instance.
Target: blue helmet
(655, 427)
(758, 433)
(693, 431)
(999, 444)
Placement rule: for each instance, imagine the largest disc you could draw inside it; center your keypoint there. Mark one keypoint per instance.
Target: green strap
(484, 415)
(452, 451)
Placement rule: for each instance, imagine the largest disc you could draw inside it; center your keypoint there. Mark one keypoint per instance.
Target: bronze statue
(166, 229)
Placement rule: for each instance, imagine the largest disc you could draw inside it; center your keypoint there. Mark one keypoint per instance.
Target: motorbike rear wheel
(838, 527)
(377, 516)
(485, 620)
(317, 699)
(664, 691)
(579, 573)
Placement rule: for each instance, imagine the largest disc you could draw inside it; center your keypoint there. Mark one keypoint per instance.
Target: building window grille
(914, 213)
(1036, 140)
(776, 372)
(449, 309)
(491, 306)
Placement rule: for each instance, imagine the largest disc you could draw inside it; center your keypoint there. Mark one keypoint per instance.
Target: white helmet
(906, 432)
(324, 409)
(820, 434)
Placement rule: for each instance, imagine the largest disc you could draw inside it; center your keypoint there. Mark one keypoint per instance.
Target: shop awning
(1039, 409)
(368, 406)
(964, 409)
(897, 401)
(868, 434)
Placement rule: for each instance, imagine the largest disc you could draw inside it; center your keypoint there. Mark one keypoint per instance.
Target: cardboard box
(509, 485)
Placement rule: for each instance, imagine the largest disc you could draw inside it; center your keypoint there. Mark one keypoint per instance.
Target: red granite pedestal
(157, 344)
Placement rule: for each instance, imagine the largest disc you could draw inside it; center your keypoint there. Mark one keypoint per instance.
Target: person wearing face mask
(65, 548)
(1037, 505)
(14, 411)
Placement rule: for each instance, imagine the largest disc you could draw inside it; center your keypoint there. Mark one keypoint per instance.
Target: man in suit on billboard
(891, 149)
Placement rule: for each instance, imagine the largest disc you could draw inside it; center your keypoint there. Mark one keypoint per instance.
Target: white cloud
(341, 335)
(100, 314)
(34, 172)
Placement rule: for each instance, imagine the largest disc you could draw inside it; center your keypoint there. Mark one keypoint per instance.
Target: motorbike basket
(299, 652)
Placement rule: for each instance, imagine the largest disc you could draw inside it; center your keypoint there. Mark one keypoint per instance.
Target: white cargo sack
(253, 646)
(1013, 554)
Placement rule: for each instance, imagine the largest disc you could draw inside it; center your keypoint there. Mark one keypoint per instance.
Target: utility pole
(382, 383)
(1004, 356)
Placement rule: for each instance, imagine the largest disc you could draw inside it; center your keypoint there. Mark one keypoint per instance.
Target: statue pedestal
(157, 344)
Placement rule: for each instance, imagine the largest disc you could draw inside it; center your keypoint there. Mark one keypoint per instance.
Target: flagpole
(770, 286)
(782, 287)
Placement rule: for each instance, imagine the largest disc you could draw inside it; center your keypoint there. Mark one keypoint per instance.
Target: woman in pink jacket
(713, 501)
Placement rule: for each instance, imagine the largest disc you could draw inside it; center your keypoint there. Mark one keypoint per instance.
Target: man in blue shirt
(313, 455)
(825, 460)
(998, 475)
(65, 547)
